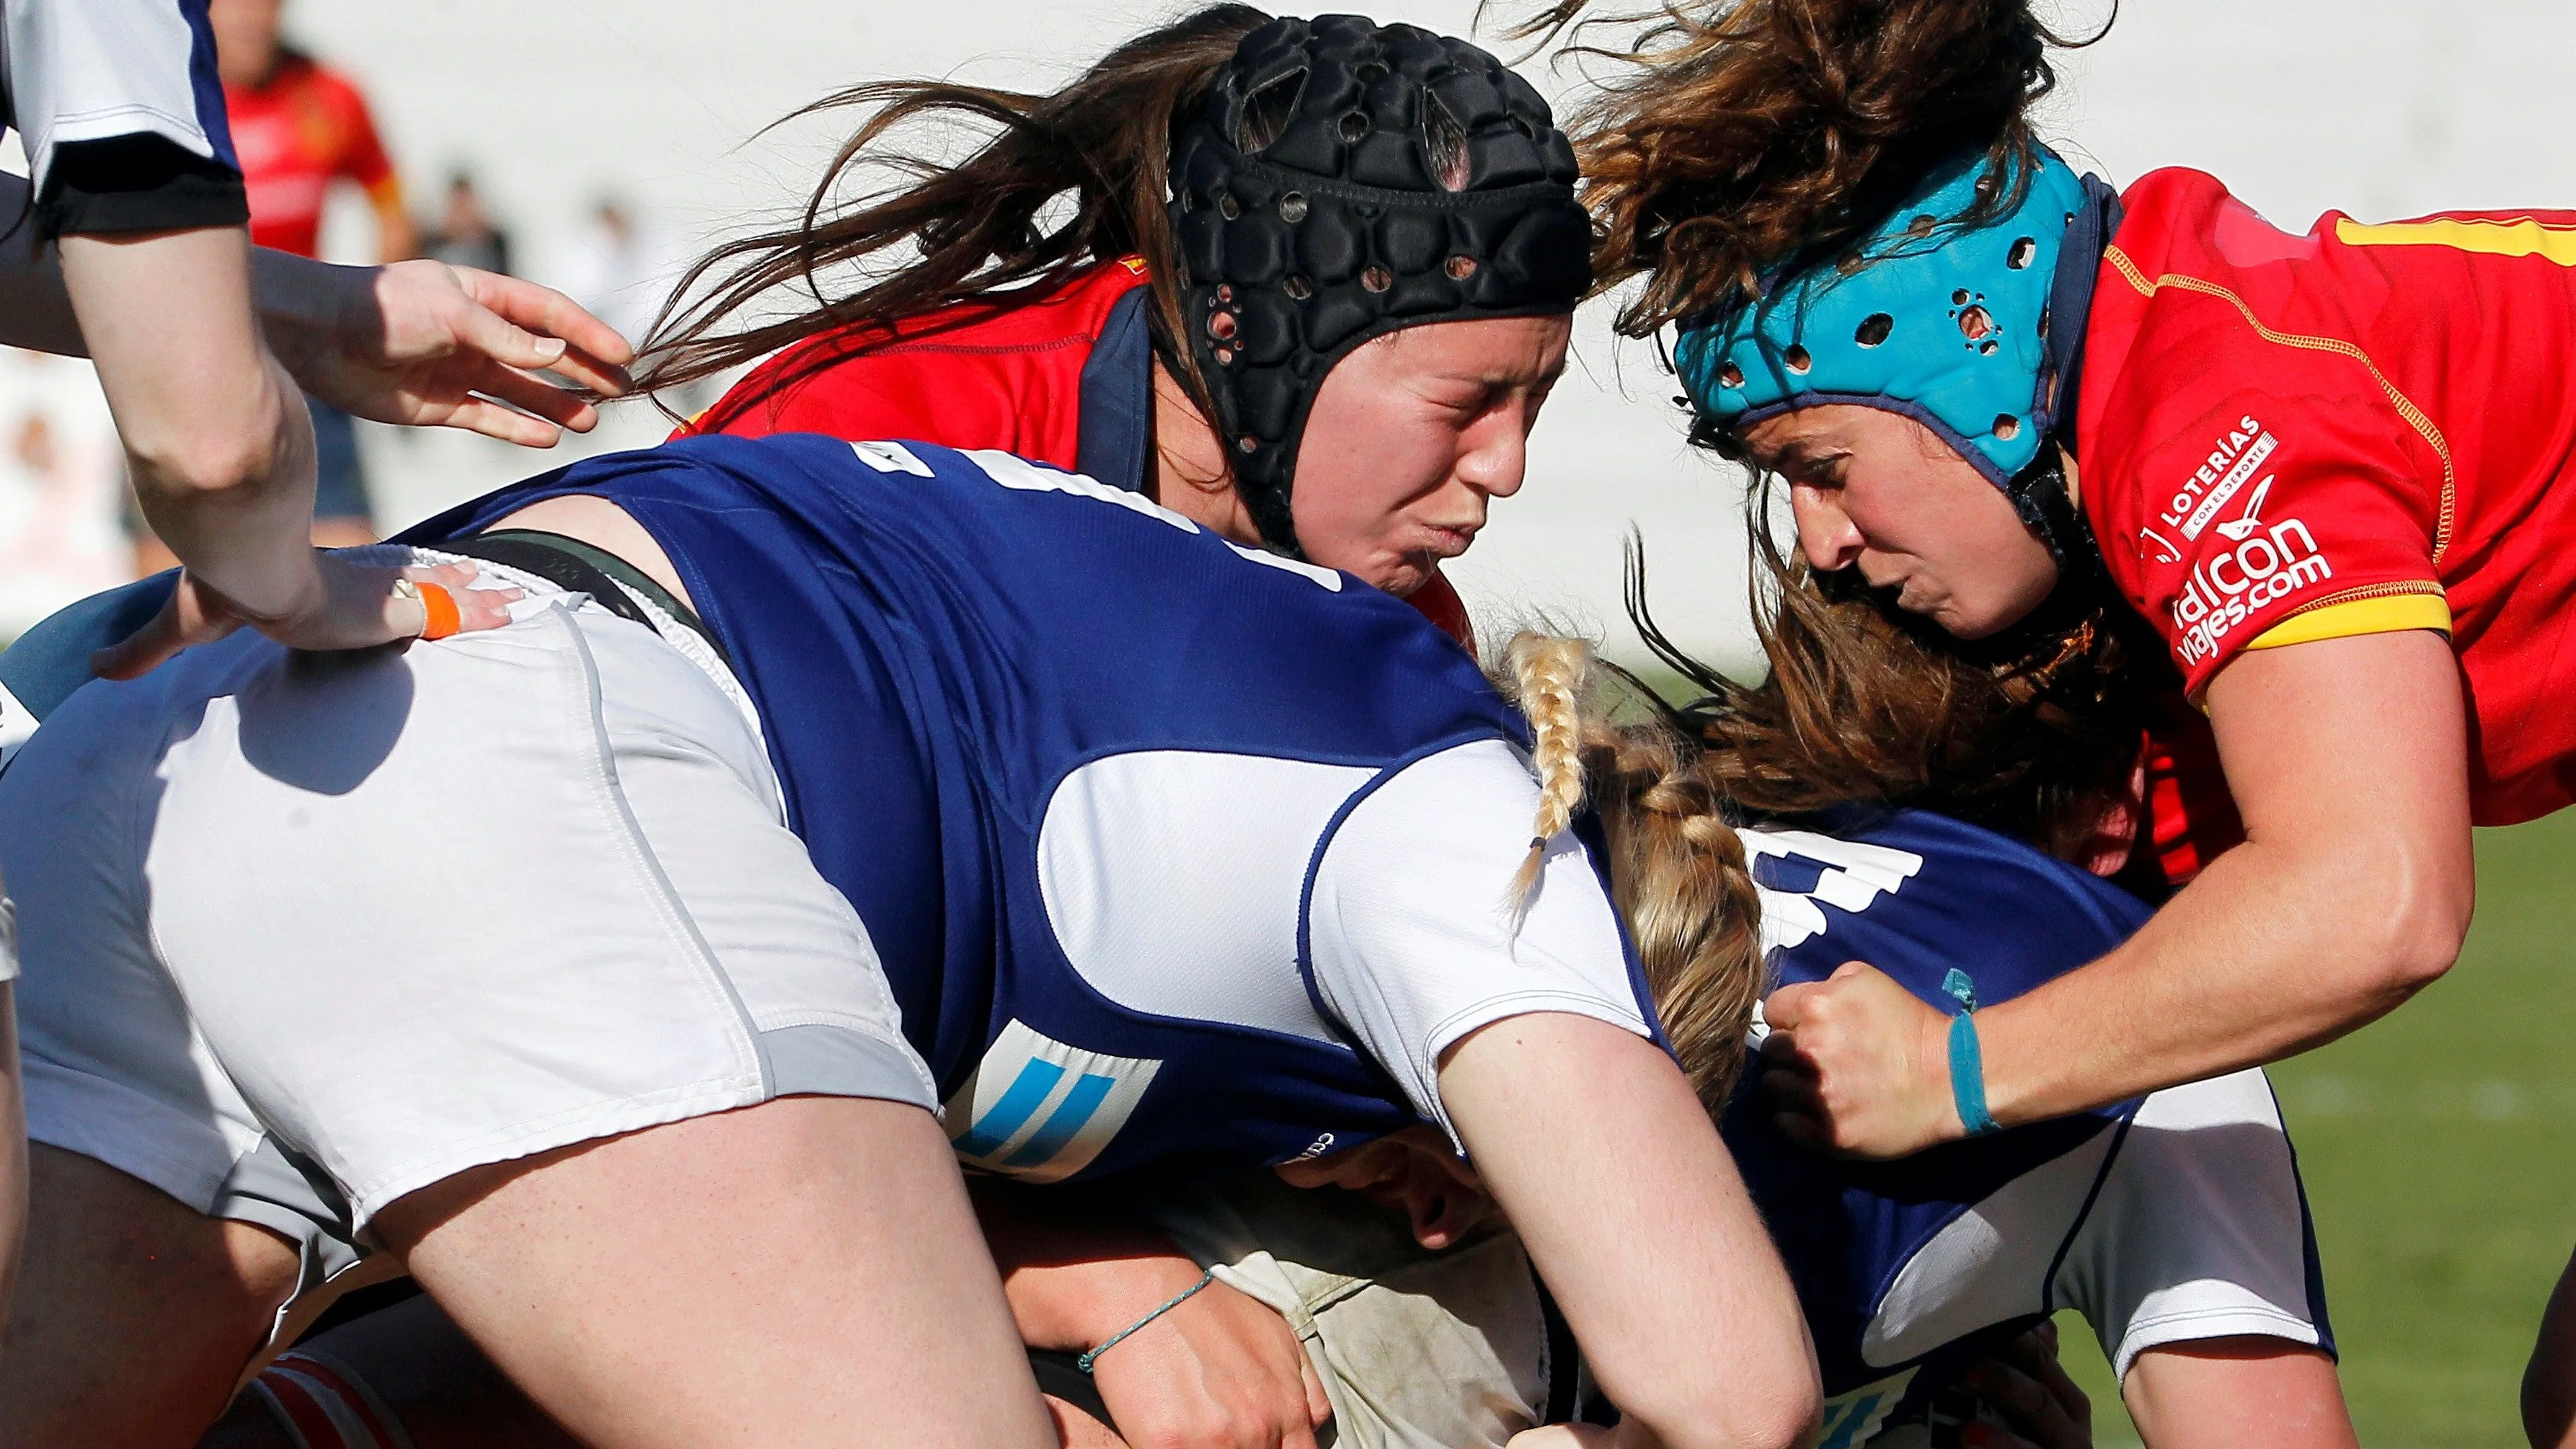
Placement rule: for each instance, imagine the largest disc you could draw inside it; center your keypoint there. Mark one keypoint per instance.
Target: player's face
(1413, 436)
(1880, 492)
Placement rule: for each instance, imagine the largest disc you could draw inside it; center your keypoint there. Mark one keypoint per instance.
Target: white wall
(2382, 107)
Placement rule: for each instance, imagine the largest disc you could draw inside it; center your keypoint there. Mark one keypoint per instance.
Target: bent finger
(545, 310)
(1319, 1404)
(1784, 1008)
(556, 404)
(492, 420)
(138, 653)
(582, 369)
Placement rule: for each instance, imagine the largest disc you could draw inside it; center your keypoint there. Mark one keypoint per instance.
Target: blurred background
(595, 145)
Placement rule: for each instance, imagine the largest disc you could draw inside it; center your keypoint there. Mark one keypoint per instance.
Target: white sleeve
(8, 940)
(1410, 933)
(93, 70)
(2199, 1230)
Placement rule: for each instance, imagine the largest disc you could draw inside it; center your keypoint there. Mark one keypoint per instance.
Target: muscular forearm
(2274, 950)
(2353, 889)
(1071, 1266)
(216, 438)
(1633, 1213)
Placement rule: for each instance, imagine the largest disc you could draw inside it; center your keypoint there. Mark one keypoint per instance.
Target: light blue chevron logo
(1040, 1110)
(1852, 1418)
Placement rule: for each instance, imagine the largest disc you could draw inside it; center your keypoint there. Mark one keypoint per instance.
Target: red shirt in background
(305, 129)
(2358, 430)
(973, 375)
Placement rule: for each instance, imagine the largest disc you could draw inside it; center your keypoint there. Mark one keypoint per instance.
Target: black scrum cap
(1345, 180)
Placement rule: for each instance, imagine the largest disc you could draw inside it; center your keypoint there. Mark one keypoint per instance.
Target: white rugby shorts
(303, 933)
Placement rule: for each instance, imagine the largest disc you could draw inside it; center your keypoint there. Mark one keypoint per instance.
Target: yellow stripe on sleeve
(2387, 614)
(2524, 238)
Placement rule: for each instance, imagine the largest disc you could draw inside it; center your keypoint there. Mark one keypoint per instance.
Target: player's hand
(429, 344)
(348, 606)
(1413, 1172)
(2028, 1402)
(1221, 1371)
(1856, 1065)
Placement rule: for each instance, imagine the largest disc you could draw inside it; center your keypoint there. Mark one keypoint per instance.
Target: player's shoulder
(1917, 893)
(957, 370)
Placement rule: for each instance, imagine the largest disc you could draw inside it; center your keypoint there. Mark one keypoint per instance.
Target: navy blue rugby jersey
(1172, 849)
(1909, 1271)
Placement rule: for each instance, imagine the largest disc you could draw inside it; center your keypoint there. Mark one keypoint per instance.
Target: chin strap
(2039, 495)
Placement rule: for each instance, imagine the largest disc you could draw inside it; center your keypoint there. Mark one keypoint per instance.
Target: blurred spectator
(62, 485)
(298, 128)
(465, 235)
(618, 269)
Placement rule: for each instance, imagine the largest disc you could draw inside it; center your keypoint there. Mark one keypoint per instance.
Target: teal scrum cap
(1945, 323)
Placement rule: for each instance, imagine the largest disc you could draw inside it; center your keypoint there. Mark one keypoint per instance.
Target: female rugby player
(650, 954)
(1175, 299)
(1102, 285)
(2319, 465)
(2175, 1224)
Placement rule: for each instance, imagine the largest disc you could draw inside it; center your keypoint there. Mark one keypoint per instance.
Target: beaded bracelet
(1084, 1363)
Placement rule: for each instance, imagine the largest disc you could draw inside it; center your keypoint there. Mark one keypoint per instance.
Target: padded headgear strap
(1312, 215)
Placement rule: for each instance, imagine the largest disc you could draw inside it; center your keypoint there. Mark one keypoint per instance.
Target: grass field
(2439, 1148)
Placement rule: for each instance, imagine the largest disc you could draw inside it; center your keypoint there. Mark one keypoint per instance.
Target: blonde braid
(1550, 677)
(1678, 871)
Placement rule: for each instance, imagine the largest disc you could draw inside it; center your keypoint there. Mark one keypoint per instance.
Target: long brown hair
(975, 230)
(2034, 736)
(2034, 733)
(1748, 132)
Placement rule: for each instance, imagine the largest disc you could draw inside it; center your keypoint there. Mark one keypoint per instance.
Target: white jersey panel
(1171, 878)
(2196, 1232)
(1412, 934)
(2199, 1231)
(91, 70)
(1990, 1264)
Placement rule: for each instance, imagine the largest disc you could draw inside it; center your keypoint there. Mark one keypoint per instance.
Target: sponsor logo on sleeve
(2231, 462)
(2265, 564)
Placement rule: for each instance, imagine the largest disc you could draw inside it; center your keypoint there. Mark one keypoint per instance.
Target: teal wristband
(1084, 1363)
(1968, 1076)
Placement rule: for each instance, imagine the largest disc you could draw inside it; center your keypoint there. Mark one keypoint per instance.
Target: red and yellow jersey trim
(2378, 609)
(2526, 237)
(2415, 417)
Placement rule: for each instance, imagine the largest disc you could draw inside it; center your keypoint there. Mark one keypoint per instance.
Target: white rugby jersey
(97, 70)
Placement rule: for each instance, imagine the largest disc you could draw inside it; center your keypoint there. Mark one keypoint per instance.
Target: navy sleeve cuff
(137, 183)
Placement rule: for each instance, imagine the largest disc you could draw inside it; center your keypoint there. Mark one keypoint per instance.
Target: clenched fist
(1857, 1065)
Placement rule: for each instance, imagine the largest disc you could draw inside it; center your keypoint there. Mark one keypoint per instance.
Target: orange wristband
(440, 607)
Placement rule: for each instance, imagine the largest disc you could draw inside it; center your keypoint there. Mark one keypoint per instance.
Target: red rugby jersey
(2358, 430)
(972, 375)
(305, 129)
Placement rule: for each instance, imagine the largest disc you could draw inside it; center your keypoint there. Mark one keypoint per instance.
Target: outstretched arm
(2348, 759)
(1591, 1140)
